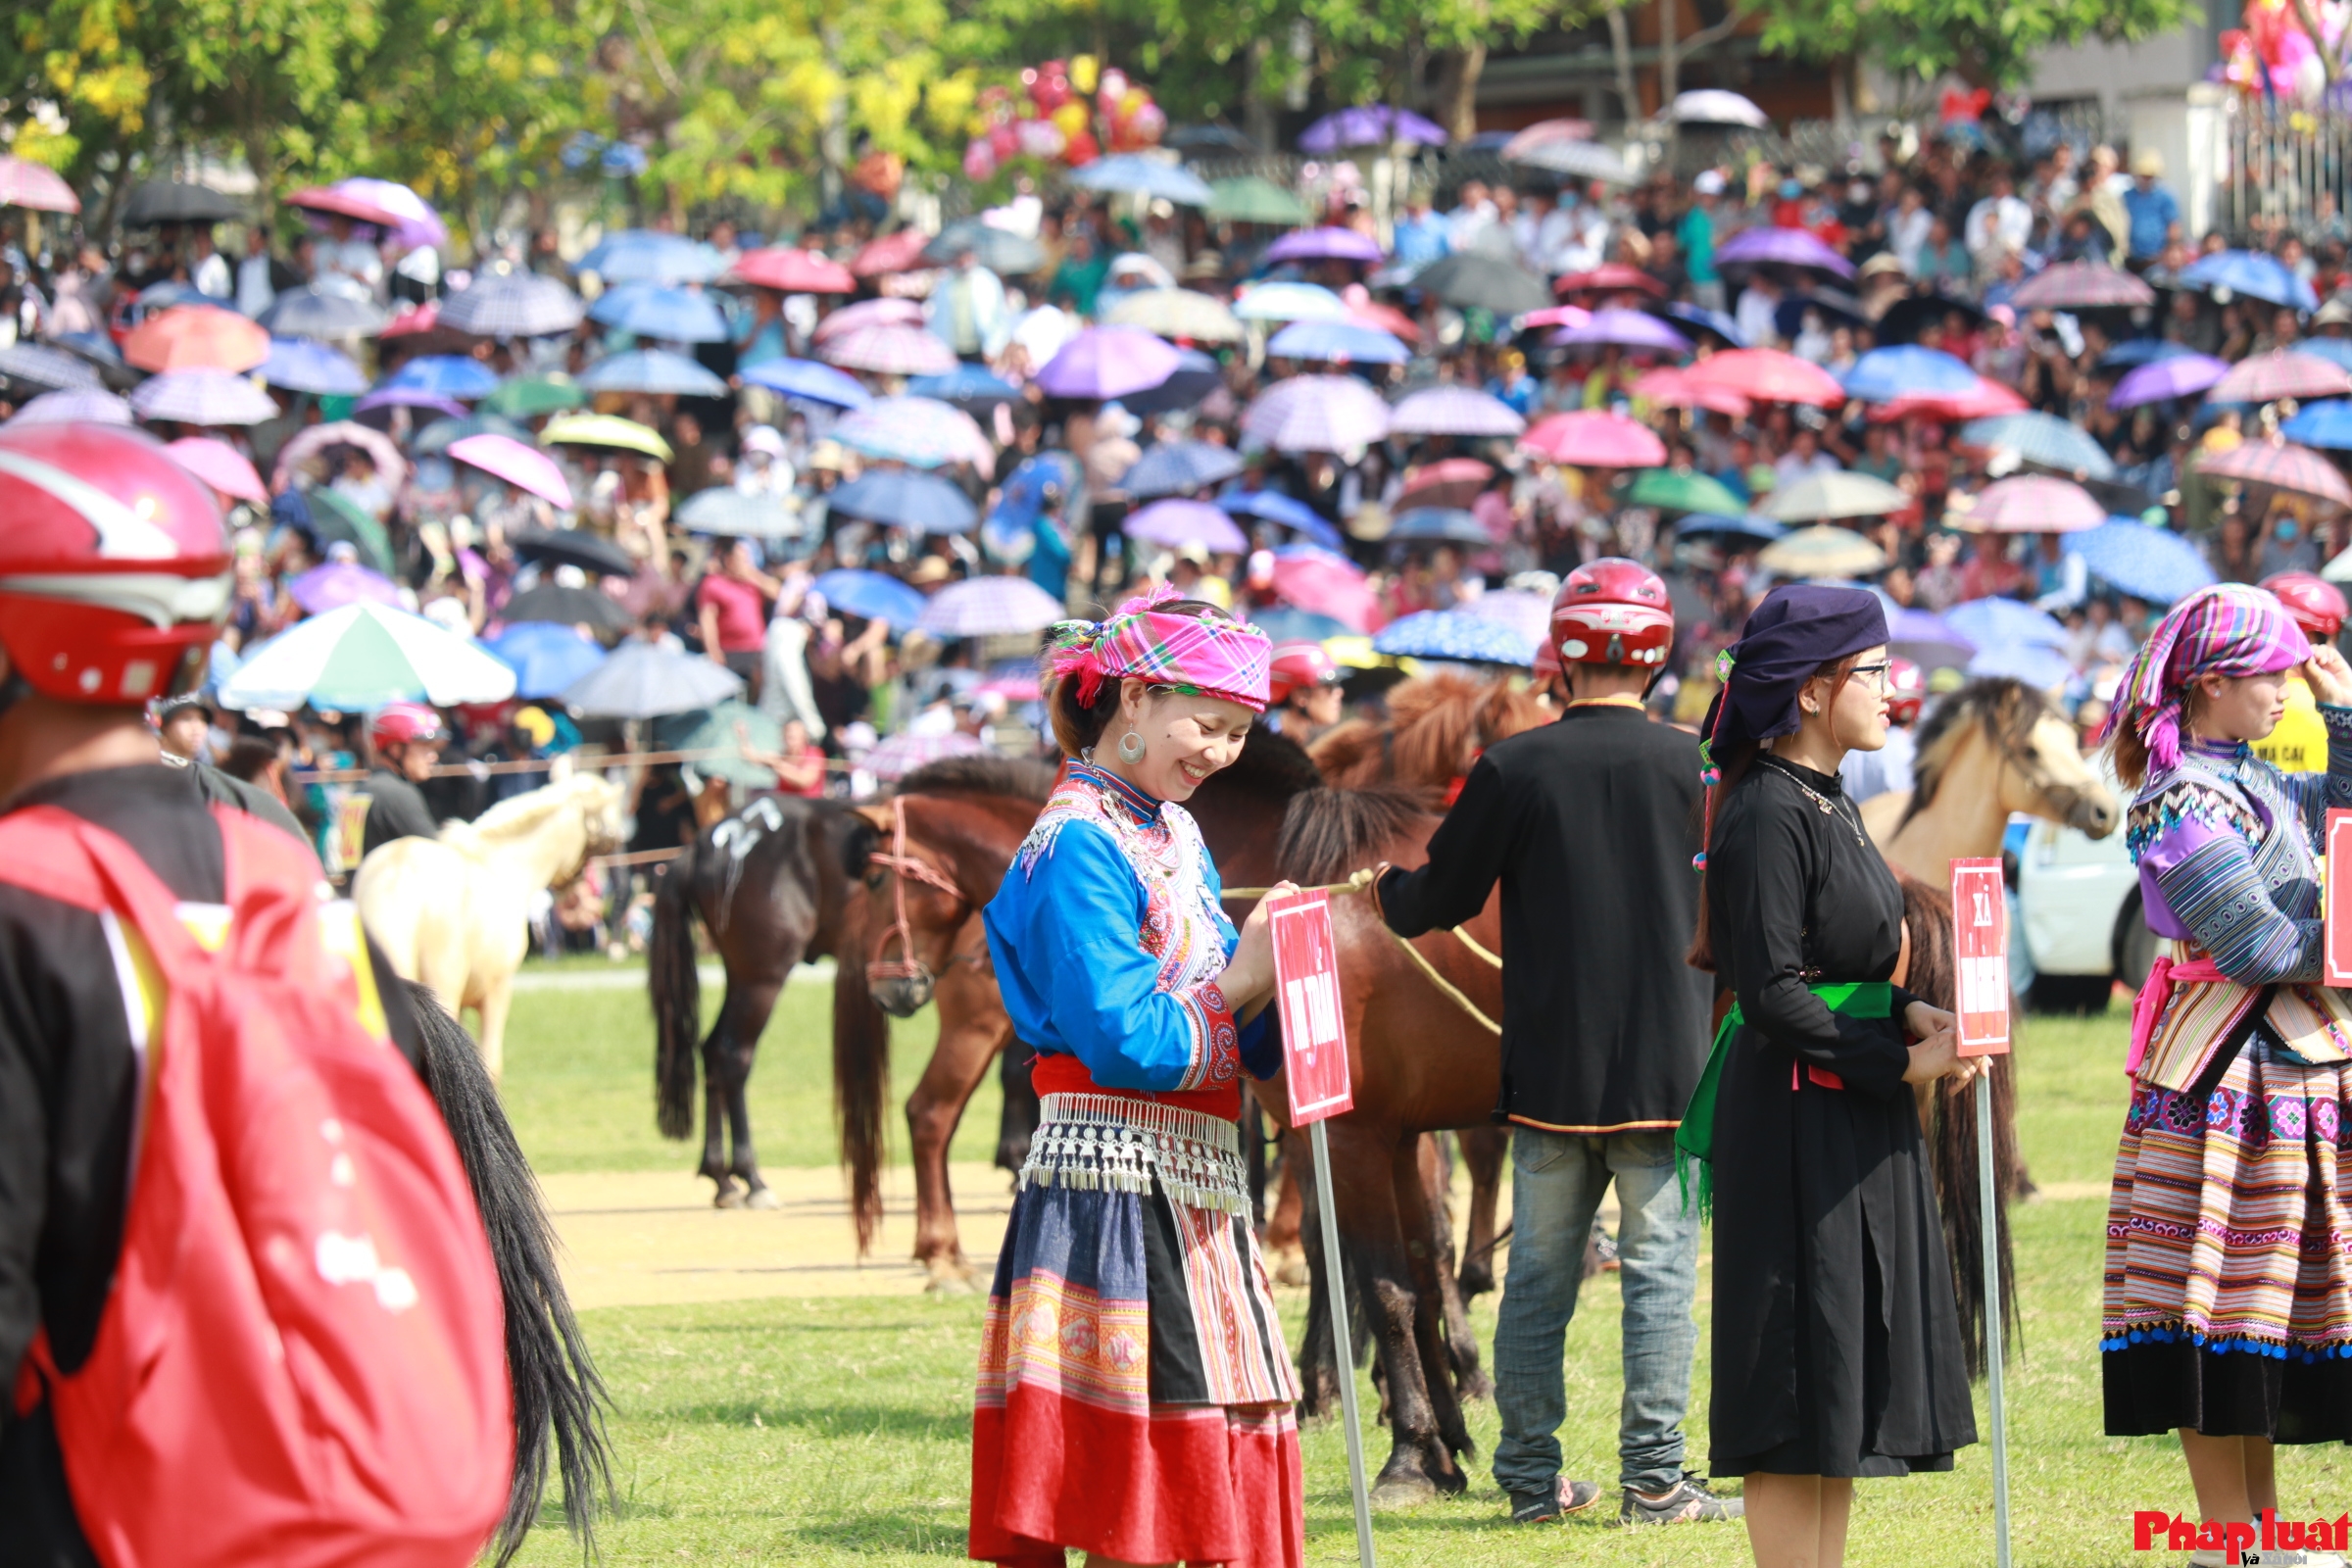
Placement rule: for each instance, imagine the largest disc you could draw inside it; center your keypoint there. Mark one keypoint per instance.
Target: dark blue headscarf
(1798, 629)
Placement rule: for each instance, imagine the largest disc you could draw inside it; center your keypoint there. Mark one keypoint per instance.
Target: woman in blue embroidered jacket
(1134, 1393)
(2227, 1310)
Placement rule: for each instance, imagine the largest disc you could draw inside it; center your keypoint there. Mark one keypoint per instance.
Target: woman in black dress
(1836, 1340)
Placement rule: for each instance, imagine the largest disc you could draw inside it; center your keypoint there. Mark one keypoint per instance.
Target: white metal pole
(1336, 1290)
(1988, 1221)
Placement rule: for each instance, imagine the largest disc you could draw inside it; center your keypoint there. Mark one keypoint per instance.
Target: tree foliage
(1987, 42)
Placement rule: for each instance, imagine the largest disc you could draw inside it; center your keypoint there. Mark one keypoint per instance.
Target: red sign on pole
(1306, 987)
(1981, 954)
(2336, 937)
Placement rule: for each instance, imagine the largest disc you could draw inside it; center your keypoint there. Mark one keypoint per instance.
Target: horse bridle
(2065, 797)
(906, 967)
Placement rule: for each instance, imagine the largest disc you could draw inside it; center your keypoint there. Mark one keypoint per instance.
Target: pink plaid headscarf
(1206, 657)
(2228, 630)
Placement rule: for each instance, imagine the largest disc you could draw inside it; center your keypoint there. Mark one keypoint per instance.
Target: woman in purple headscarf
(2228, 1311)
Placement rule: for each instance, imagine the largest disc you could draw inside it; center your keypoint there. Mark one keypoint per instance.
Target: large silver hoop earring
(1131, 746)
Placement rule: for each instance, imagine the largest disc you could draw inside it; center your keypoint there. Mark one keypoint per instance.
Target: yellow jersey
(2299, 745)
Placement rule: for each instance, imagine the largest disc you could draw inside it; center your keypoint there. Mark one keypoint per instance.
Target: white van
(2079, 910)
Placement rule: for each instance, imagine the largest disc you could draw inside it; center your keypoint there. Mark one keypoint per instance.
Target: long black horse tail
(677, 994)
(557, 1392)
(860, 1075)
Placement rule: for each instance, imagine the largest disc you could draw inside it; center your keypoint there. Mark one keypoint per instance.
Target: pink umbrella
(870, 313)
(522, 466)
(220, 465)
(30, 186)
(2033, 504)
(1545, 133)
(1318, 413)
(345, 204)
(795, 271)
(305, 450)
(892, 253)
(2282, 465)
(1324, 584)
(1767, 375)
(1555, 315)
(2281, 373)
(889, 350)
(1595, 441)
(1986, 399)
(1671, 388)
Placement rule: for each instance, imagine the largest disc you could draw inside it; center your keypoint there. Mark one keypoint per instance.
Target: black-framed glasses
(1876, 674)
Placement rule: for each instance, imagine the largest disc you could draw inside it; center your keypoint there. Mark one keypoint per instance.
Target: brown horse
(1435, 730)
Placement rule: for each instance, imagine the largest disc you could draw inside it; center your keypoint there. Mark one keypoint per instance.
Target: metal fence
(2289, 172)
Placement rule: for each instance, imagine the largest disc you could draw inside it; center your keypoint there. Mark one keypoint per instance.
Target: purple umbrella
(901, 754)
(1324, 245)
(410, 397)
(74, 405)
(1785, 247)
(1109, 362)
(1174, 524)
(1630, 329)
(1454, 411)
(1369, 126)
(2183, 376)
(1318, 413)
(339, 584)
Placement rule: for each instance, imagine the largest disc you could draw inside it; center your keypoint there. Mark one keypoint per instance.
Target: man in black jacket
(1590, 824)
(407, 740)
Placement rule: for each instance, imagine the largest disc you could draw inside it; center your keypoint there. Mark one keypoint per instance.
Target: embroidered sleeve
(2195, 805)
(1216, 1041)
(2315, 794)
(2213, 888)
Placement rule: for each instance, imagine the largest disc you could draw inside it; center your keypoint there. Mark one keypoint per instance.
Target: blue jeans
(1557, 1180)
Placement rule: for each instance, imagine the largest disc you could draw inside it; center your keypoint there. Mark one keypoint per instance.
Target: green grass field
(834, 1431)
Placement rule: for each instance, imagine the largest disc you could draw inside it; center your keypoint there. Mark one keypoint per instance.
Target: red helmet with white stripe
(1297, 666)
(402, 722)
(1906, 689)
(2313, 603)
(1613, 611)
(115, 571)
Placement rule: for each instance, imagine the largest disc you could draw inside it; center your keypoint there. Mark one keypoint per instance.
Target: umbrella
(1365, 311)
(1195, 378)
(2080, 286)
(1584, 160)
(1524, 612)
(1452, 634)
(901, 499)
(1454, 411)
(526, 397)
(362, 657)
(1176, 312)
(201, 397)
(1541, 132)
(220, 465)
(1172, 467)
(923, 431)
(1107, 361)
(889, 350)
(1591, 440)
(449, 375)
(1636, 329)
(671, 314)
(725, 510)
(1714, 106)
(2043, 439)
(604, 430)
(2146, 351)
(644, 680)
(1323, 245)
(892, 253)
(725, 728)
(339, 202)
(1251, 199)
(1668, 387)
(546, 657)
(807, 379)
(2151, 563)
(1788, 316)
(1610, 278)
(1283, 624)
(336, 519)
(163, 200)
(2253, 274)
(1285, 301)
(2282, 467)
(1323, 583)
(1136, 174)
(322, 311)
(652, 370)
(1822, 552)
(1369, 126)
(525, 467)
(1767, 375)
(2177, 375)
(408, 396)
(1449, 482)
(1769, 244)
(2031, 504)
(889, 311)
(997, 249)
(98, 349)
(1820, 496)
(1177, 523)
(2281, 373)
(1716, 525)
(414, 224)
(1927, 639)
(990, 607)
(339, 584)
(645, 256)
(30, 186)
(1988, 399)
(1272, 506)
(436, 438)
(196, 337)
(560, 606)
(299, 365)
(1439, 525)
(967, 386)
(2334, 350)
(1684, 490)
(1318, 413)
(2003, 622)
(50, 369)
(1883, 374)
(901, 754)
(307, 443)
(1476, 280)
(2044, 668)
(574, 547)
(1333, 342)
(871, 596)
(512, 305)
(1913, 314)
(76, 405)
(793, 272)
(2327, 425)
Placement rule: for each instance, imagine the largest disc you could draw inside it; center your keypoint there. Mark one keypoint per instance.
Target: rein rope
(906, 967)
(1361, 882)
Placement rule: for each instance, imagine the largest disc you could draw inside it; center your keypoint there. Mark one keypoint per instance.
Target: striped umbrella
(2031, 504)
(512, 305)
(1591, 440)
(2081, 285)
(323, 311)
(901, 754)
(201, 397)
(363, 656)
(889, 350)
(77, 406)
(990, 607)
(50, 369)
(2043, 439)
(888, 311)
(652, 370)
(2281, 373)
(922, 431)
(1767, 375)
(1454, 411)
(27, 184)
(2282, 465)
(1318, 413)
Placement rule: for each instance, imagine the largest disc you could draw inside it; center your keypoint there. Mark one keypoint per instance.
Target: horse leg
(1017, 1119)
(744, 1018)
(498, 998)
(1288, 1224)
(1372, 1170)
(1461, 1341)
(1483, 1150)
(972, 1031)
(717, 1047)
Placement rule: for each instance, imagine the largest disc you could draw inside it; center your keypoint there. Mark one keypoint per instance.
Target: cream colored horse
(453, 913)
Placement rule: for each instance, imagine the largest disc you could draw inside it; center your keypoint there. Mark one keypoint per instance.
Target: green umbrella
(334, 518)
(1252, 200)
(527, 397)
(714, 729)
(1680, 490)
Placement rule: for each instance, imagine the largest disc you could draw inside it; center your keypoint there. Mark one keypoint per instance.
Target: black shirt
(396, 809)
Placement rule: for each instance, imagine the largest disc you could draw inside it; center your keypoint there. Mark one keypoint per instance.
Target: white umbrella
(1820, 496)
(363, 657)
(1714, 106)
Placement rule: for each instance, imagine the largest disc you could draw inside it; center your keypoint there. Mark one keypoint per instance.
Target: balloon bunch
(1050, 120)
(2273, 55)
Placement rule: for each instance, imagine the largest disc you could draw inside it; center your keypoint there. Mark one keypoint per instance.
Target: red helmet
(1297, 665)
(1612, 612)
(402, 722)
(1548, 662)
(113, 563)
(2313, 603)
(1906, 689)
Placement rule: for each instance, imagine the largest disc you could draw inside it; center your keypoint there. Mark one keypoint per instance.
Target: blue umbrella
(2002, 623)
(1272, 506)
(2321, 425)
(967, 386)
(643, 256)
(1883, 374)
(1762, 530)
(546, 657)
(2141, 351)
(1450, 634)
(298, 364)
(1172, 467)
(1337, 340)
(671, 314)
(2031, 662)
(2252, 273)
(1706, 320)
(870, 595)
(1451, 524)
(1925, 638)
(450, 375)
(905, 497)
(654, 370)
(1284, 624)
(2151, 563)
(1145, 177)
(807, 379)
(2044, 439)
(2334, 350)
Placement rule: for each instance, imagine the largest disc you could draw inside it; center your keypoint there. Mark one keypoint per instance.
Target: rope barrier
(603, 760)
(1361, 882)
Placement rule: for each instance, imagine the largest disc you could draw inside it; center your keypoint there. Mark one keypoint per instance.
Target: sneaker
(1566, 1497)
(1686, 1502)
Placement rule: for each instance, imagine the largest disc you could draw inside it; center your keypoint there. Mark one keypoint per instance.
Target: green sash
(1695, 1138)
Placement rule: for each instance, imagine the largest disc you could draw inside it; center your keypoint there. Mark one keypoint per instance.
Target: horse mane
(2005, 707)
(1016, 776)
(1271, 763)
(1436, 724)
(1328, 833)
(520, 816)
